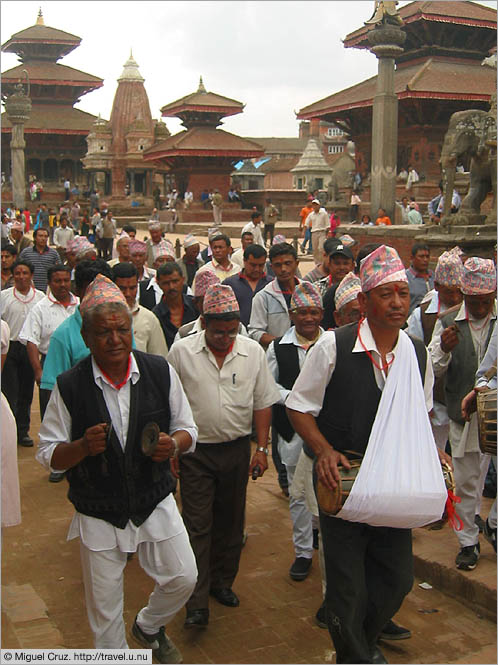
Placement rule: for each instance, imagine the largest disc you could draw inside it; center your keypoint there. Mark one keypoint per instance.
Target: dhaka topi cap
(213, 232)
(83, 249)
(154, 225)
(479, 276)
(163, 248)
(77, 243)
(278, 239)
(203, 280)
(101, 291)
(122, 236)
(457, 250)
(348, 290)
(449, 269)
(220, 299)
(382, 266)
(17, 226)
(137, 246)
(190, 240)
(306, 294)
(347, 241)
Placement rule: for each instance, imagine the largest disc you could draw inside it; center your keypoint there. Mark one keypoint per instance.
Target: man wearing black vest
(120, 486)
(458, 345)
(286, 356)
(333, 406)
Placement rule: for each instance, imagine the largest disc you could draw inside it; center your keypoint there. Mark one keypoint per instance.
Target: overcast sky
(275, 57)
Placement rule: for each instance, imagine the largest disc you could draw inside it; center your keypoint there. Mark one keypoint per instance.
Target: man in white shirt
(458, 345)
(147, 330)
(254, 227)
(246, 239)
(285, 357)
(17, 375)
(333, 406)
(62, 235)
(238, 388)
(221, 263)
(44, 318)
(319, 221)
(119, 477)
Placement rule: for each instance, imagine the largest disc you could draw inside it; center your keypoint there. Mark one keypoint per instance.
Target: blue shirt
(244, 293)
(66, 348)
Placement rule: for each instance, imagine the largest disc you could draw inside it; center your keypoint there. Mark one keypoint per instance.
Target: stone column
(386, 43)
(18, 109)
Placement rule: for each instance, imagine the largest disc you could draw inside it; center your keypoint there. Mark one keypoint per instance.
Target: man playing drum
(333, 406)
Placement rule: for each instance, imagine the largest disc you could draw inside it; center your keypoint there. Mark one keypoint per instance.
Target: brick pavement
(43, 602)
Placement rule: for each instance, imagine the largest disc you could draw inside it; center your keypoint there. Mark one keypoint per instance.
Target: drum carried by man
(365, 391)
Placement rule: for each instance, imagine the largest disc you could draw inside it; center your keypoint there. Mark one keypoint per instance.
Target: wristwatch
(260, 449)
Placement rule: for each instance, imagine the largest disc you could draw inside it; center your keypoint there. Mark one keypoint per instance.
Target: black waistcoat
(288, 370)
(352, 396)
(118, 485)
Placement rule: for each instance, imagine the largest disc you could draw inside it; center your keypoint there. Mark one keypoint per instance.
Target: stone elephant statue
(470, 132)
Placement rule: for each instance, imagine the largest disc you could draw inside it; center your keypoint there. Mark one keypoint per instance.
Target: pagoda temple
(55, 132)
(202, 156)
(438, 73)
(116, 148)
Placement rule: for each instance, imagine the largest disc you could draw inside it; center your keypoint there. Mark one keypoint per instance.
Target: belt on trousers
(240, 440)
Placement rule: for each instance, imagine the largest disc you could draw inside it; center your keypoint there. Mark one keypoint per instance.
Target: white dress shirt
(309, 390)
(257, 234)
(14, 308)
(97, 534)
(223, 400)
(463, 438)
(43, 319)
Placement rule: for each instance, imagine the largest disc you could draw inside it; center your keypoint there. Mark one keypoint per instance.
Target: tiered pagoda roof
(54, 88)
(434, 78)
(445, 44)
(201, 112)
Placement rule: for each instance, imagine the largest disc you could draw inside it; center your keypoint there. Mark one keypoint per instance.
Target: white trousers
(318, 238)
(469, 480)
(302, 487)
(492, 512)
(170, 563)
(302, 529)
(440, 435)
(217, 215)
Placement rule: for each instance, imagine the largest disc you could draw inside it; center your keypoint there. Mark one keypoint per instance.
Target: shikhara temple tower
(202, 156)
(115, 157)
(55, 132)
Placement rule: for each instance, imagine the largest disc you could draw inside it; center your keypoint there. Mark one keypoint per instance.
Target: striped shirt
(41, 264)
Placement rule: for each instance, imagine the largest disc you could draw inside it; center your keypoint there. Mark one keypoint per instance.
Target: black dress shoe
(378, 656)
(225, 597)
(196, 619)
(25, 442)
(392, 631)
(300, 569)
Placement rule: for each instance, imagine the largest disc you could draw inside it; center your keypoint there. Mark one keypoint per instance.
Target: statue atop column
(385, 13)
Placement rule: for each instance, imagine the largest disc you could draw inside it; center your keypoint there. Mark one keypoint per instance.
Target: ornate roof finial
(201, 87)
(130, 70)
(39, 19)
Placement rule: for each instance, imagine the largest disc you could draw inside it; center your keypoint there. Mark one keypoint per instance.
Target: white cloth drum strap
(400, 483)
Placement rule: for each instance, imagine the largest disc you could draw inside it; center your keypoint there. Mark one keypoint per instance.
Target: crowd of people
(156, 371)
